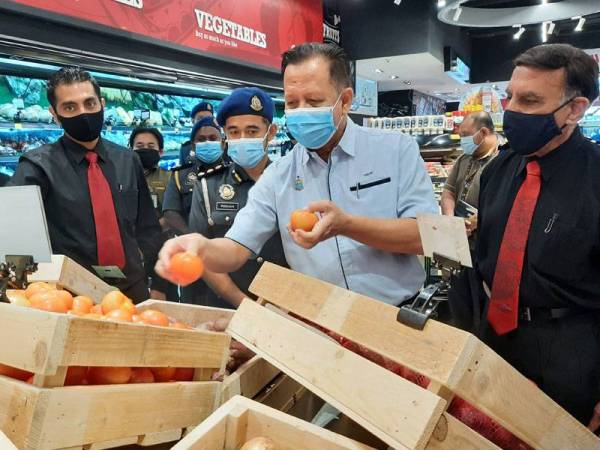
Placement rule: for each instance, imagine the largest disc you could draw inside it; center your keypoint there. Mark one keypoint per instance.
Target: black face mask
(149, 157)
(84, 127)
(527, 133)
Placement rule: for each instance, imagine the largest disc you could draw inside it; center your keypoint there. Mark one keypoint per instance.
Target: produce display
(114, 307)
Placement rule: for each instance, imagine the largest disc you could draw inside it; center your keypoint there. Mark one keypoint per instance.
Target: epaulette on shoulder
(214, 170)
(181, 167)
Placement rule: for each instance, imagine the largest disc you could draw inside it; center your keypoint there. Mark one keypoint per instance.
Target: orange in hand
(186, 268)
(303, 220)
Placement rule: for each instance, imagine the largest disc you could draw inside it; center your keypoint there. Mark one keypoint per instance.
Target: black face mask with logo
(149, 157)
(84, 127)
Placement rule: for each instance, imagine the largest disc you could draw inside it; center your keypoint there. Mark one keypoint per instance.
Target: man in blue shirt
(367, 186)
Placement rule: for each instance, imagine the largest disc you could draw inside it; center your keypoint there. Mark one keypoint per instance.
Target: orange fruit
(113, 300)
(184, 374)
(153, 317)
(97, 309)
(119, 315)
(13, 372)
(186, 268)
(66, 296)
(163, 374)
(136, 318)
(82, 305)
(109, 375)
(75, 375)
(141, 375)
(303, 220)
(36, 287)
(51, 301)
(17, 297)
(129, 307)
(180, 325)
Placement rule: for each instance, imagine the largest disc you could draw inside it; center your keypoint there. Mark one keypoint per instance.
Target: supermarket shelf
(28, 127)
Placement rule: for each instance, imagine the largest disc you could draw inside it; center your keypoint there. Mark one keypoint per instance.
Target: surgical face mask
(528, 133)
(247, 152)
(149, 157)
(468, 145)
(312, 127)
(209, 151)
(84, 127)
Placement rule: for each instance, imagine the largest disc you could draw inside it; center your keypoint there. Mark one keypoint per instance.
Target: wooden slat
(501, 392)
(160, 438)
(92, 414)
(249, 379)
(106, 343)
(193, 315)
(395, 410)
(242, 419)
(29, 338)
(433, 351)
(69, 275)
(451, 434)
(112, 443)
(17, 405)
(454, 360)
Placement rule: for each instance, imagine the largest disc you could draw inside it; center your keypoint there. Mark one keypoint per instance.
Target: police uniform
(178, 194)
(216, 200)
(157, 180)
(187, 148)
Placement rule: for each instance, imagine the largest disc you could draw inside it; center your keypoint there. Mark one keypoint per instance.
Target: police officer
(208, 158)
(246, 116)
(201, 111)
(149, 144)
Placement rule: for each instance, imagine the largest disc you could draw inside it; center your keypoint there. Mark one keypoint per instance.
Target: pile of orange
(115, 306)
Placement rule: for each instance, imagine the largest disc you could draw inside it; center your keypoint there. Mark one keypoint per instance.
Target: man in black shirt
(96, 199)
(555, 337)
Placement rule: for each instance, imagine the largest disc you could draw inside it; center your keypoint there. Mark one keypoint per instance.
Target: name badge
(223, 206)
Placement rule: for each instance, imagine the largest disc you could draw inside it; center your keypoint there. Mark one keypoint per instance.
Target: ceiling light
(519, 32)
(378, 70)
(544, 2)
(407, 82)
(457, 14)
(551, 26)
(544, 32)
(394, 77)
(397, 2)
(441, 3)
(579, 26)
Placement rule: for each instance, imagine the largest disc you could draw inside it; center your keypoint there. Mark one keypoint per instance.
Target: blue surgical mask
(209, 152)
(468, 145)
(312, 127)
(246, 152)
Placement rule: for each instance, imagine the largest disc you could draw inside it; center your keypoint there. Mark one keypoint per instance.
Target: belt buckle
(526, 314)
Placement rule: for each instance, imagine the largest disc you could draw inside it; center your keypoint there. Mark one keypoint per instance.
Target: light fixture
(544, 32)
(441, 3)
(397, 2)
(407, 82)
(457, 14)
(394, 77)
(378, 70)
(579, 26)
(519, 32)
(551, 26)
(544, 2)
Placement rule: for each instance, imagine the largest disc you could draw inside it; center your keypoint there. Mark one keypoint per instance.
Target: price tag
(18, 126)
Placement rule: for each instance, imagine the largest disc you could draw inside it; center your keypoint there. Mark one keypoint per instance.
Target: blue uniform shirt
(371, 173)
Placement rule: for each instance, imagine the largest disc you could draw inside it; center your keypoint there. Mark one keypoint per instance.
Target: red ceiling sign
(254, 31)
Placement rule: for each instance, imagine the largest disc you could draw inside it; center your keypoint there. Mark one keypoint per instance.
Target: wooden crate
(242, 419)
(66, 273)
(395, 410)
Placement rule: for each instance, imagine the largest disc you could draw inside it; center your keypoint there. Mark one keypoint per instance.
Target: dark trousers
(562, 356)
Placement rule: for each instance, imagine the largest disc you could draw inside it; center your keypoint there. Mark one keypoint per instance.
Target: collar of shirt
(552, 162)
(78, 152)
(241, 176)
(346, 144)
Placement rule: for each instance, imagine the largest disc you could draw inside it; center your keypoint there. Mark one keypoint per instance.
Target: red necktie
(108, 236)
(504, 303)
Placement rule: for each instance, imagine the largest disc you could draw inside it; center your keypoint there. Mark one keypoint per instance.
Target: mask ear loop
(561, 107)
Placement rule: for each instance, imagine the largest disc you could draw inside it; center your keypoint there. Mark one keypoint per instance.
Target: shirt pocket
(374, 197)
(129, 202)
(564, 252)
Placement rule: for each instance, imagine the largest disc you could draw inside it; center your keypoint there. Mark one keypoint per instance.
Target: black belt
(527, 314)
